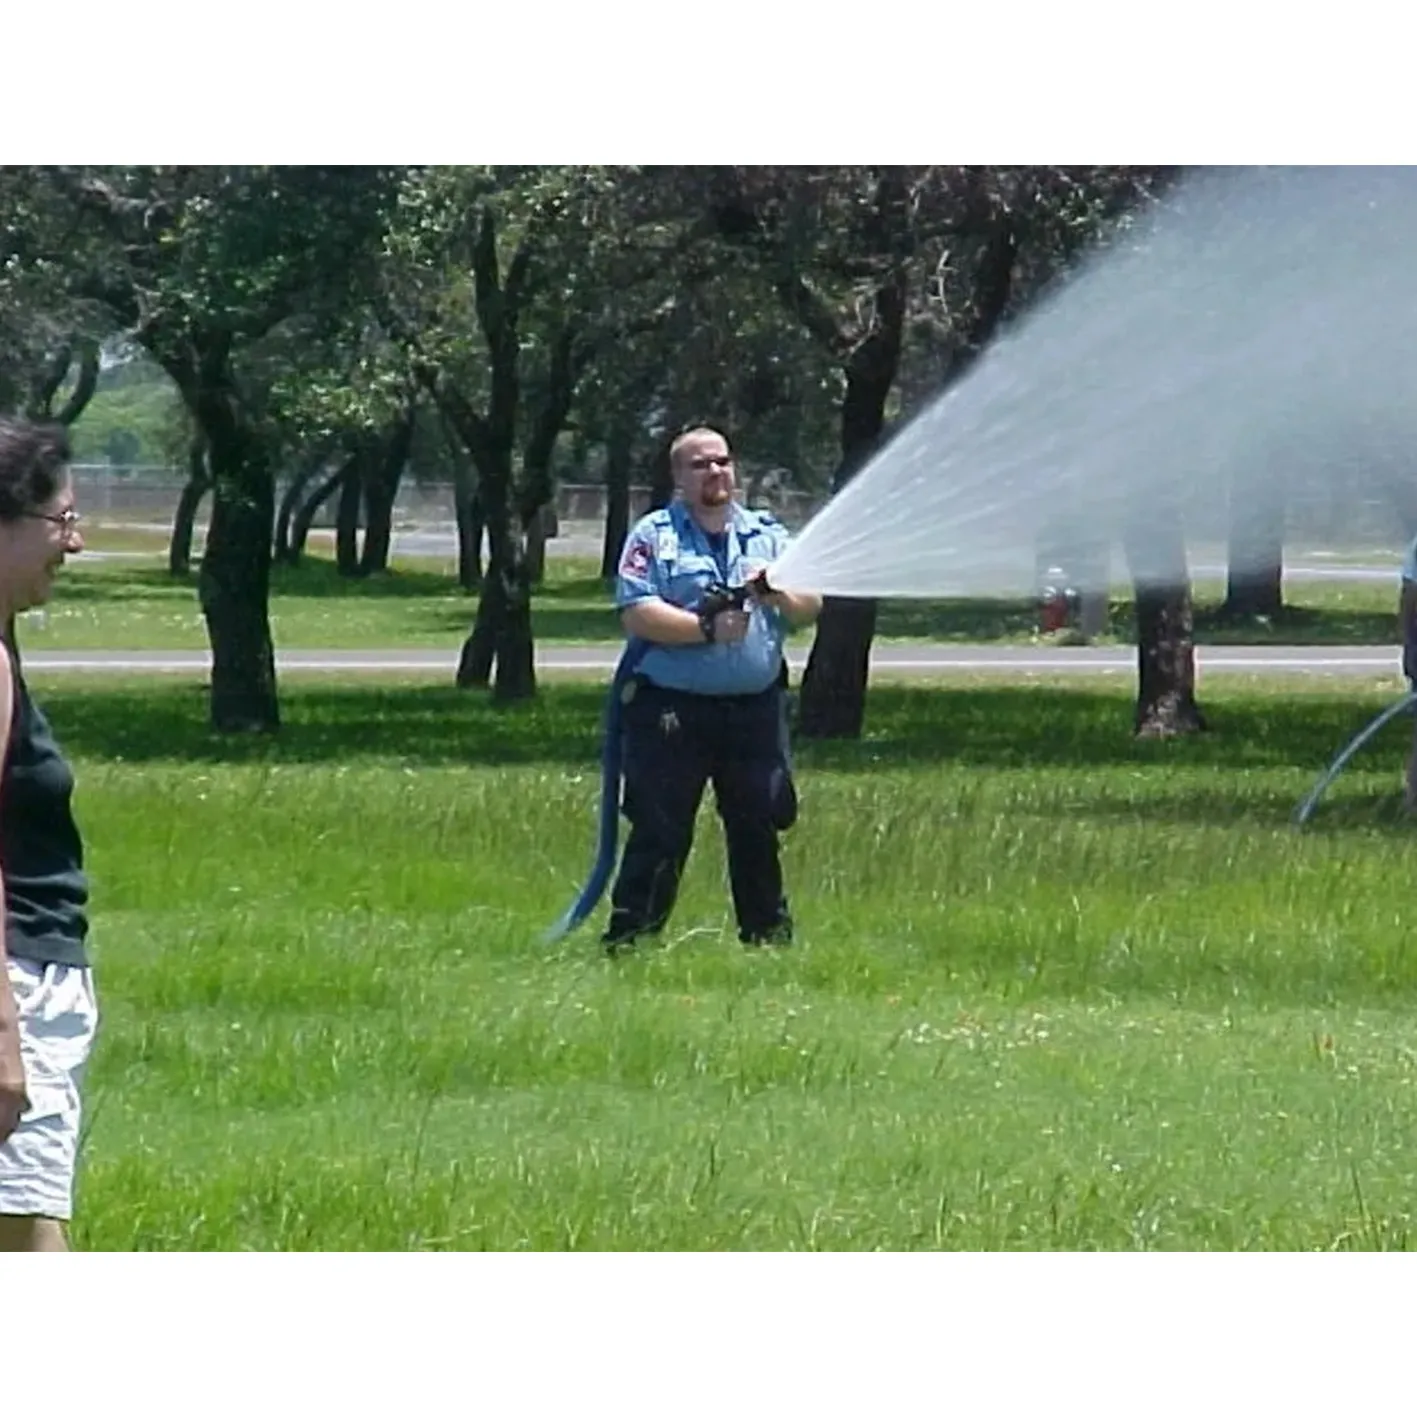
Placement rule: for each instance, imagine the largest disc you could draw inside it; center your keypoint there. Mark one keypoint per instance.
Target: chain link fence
(1337, 516)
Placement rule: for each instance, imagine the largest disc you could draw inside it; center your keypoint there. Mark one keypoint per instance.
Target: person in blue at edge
(1407, 625)
(707, 702)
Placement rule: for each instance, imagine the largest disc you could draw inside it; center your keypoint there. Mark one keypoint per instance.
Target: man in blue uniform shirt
(707, 701)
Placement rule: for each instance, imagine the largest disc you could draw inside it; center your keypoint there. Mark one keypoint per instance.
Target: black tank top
(41, 855)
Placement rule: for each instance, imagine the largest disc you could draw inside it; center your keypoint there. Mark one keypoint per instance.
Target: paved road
(1010, 660)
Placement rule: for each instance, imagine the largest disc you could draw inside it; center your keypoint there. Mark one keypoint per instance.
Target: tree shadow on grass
(432, 725)
(420, 725)
(1298, 625)
(1047, 726)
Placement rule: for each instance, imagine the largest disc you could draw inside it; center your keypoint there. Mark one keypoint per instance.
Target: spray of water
(1256, 337)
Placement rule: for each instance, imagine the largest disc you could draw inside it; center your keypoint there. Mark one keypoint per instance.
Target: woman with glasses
(47, 1011)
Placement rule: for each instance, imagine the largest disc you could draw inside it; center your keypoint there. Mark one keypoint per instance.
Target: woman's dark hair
(34, 458)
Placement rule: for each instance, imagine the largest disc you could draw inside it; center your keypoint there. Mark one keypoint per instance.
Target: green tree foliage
(505, 286)
(326, 327)
(208, 270)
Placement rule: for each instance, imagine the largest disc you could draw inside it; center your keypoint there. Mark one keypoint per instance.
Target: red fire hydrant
(1055, 602)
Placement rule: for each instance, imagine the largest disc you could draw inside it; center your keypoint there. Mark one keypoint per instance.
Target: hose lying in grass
(608, 832)
(1305, 809)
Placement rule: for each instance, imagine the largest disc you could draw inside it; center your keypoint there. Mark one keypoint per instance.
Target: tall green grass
(1052, 988)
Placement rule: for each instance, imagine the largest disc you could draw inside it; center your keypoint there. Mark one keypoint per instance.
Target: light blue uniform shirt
(668, 555)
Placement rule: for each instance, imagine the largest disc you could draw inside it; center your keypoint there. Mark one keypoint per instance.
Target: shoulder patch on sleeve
(635, 558)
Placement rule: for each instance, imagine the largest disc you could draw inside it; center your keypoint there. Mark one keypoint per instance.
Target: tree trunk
(516, 658)
(304, 519)
(45, 388)
(536, 495)
(467, 508)
(234, 584)
(515, 676)
(378, 527)
(479, 651)
(500, 642)
(1166, 652)
(536, 537)
(1166, 661)
(351, 497)
(833, 700)
(499, 648)
(1255, 582)
(504, 612)
(381, 491)
(285, 552)
(619, 451)
(470, 530)
(85, 384)
(199, 482)
(39, 406)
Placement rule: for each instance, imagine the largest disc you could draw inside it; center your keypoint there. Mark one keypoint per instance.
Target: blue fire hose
(608, 833)
(1306, 808)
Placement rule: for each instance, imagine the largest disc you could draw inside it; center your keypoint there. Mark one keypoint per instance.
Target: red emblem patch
(635, 561)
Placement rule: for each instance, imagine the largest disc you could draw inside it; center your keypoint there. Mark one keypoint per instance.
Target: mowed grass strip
(1053, 988)
(132, 603)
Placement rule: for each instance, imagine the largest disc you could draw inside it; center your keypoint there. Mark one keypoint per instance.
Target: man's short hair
(696, 430)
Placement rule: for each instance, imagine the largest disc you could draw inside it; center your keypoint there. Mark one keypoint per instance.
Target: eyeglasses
(68, 519)
(703, 464)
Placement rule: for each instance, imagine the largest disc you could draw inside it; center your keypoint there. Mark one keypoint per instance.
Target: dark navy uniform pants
(674, 744)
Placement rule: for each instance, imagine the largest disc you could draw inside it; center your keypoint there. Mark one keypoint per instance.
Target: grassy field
(1053, 988)
(135, 604)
